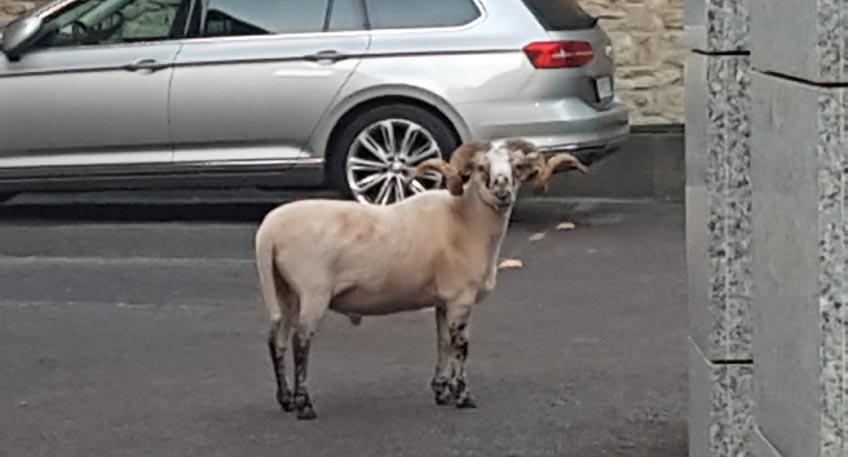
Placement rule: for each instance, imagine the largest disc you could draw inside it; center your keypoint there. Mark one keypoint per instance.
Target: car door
(93, 90)
(260, 74)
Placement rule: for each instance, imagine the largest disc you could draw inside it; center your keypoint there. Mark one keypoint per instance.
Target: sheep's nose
(501, 187)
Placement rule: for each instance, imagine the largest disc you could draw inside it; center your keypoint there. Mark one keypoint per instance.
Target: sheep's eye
(484, 173)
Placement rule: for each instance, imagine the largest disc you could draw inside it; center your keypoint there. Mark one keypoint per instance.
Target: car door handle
(324, 56)
(145, 64)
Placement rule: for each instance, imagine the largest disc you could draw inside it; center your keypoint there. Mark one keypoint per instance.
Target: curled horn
(460, 165)
(558, 164)
(525, 147)
(452, 177)
(463, 157)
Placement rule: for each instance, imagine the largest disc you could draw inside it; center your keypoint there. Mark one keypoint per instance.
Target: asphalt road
(137, 330)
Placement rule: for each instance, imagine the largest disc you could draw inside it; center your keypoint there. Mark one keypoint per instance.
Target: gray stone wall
(647, 36)
(780, 228)
(718, 228)
(11, 8)
(799, 182)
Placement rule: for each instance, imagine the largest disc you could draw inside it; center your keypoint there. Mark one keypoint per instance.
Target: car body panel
(80, 106)
(262, 104)
(256, 98)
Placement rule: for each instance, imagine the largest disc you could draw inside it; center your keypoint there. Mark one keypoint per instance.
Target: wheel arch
(356, 103)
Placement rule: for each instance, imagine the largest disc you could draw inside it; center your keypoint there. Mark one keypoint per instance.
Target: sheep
(437, 249)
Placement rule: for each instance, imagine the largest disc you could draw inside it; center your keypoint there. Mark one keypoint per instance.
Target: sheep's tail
(265, 264)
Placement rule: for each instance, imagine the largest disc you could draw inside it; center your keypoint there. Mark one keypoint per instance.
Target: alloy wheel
(382, 156)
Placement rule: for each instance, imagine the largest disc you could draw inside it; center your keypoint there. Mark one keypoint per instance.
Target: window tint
(560, 14)
(97, 22)
(391, 14)
(259, 17)
(346, 15)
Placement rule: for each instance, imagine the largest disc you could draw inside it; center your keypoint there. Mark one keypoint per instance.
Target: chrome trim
(154, 169)
(52, 7)
(62, 71)
(577, 147)
(478, 4)
(200, 63)
(346, 57)
(305, 162)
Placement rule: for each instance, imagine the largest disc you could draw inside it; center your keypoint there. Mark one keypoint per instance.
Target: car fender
(319, 141)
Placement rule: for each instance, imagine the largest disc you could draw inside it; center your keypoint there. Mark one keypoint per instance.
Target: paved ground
(136, 330)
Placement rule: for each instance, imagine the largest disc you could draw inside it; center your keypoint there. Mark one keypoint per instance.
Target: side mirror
(19, 35)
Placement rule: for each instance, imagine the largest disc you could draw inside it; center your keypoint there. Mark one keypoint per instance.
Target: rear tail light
(559, 54)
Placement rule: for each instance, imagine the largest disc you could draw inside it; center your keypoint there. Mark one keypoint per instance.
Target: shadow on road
(230, 212)
(239, 205)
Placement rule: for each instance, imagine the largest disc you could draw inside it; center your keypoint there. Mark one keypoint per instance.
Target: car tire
(351, 163)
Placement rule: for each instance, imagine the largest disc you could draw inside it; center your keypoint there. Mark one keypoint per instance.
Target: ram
(436, 249)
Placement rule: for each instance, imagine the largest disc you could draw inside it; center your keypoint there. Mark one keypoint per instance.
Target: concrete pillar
(718, 228)
(800, 117)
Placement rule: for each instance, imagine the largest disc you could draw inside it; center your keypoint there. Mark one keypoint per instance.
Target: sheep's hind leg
(312, 310)
(277, 342)
(441, 379)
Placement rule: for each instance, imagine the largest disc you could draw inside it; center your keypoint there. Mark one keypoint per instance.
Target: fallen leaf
(566, 226)
(511, 263)
(537, 237)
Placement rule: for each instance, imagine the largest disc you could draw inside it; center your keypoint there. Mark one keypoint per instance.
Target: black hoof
(307, 414)
(286, 401)
(287, 405)
(443, 399)
(466, 402)
(441, 391)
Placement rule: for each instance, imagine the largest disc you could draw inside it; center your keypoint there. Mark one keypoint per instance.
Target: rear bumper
(568, 125)
(590, 153)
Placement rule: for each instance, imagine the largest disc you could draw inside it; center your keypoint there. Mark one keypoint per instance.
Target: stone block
(815, 49)
(718, 205)
(799, 232)
(720, 409)
(717, 25)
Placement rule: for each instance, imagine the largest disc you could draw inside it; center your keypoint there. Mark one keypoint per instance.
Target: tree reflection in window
(261, 17)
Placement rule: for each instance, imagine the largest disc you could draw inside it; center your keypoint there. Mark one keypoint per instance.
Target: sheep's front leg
(458, 317)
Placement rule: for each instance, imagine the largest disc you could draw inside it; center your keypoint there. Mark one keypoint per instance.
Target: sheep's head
(499, 168)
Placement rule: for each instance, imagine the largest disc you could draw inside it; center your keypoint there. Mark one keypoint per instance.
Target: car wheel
(373, 154)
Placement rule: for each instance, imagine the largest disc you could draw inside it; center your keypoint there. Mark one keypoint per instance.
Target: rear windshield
(560, 14)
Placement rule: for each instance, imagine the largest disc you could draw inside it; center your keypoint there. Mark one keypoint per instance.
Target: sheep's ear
(462, 158)
(527, 160)
(529, 166)
(452, 178)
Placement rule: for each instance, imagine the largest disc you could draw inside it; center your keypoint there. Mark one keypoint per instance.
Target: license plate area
(603, 89)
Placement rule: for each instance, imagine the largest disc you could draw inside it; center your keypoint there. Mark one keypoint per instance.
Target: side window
(101, 22)
(260, 17)
(346, 15)
(399, 14)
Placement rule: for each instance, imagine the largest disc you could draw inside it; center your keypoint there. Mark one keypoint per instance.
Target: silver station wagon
(104, 94)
